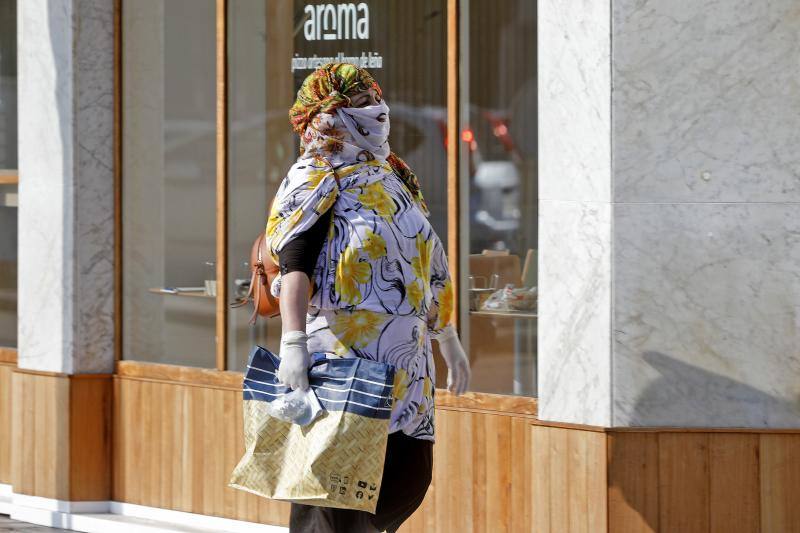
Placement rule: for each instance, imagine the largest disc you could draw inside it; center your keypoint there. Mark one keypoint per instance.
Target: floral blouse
(381, 253)
(381, 284)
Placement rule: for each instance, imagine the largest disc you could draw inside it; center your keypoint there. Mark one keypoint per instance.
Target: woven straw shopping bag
(336, 460)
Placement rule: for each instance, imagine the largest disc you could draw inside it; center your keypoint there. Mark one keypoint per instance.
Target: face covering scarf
(329, 89)
(368, 126)
(348, 135)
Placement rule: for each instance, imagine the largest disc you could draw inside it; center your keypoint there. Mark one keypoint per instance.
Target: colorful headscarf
(330, 87)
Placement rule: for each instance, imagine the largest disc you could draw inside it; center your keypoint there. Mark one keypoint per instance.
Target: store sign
(331, 22)
(336, 33)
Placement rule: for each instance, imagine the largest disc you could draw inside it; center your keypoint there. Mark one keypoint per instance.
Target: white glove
(293, 369)
(458, 372)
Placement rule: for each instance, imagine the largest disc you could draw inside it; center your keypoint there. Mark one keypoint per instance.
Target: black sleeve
(302, 252)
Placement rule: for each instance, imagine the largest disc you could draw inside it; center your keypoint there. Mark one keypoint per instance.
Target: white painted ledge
(59, 506)
(5, 498)
(118, 517)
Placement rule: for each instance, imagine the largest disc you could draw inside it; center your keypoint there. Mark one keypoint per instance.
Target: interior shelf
(192, 294)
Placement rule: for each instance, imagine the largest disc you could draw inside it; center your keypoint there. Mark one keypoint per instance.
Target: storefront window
(170, 146)
(169, 181)
(272, 46)
(498, 170)
(8, 173)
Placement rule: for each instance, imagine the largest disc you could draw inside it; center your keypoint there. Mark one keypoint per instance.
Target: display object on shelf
(511, 299)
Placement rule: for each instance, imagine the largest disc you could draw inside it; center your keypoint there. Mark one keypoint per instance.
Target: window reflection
(498, 167)
(261, 148)
(8, 265)
(169, 181)
(8, 165)
(8, 84)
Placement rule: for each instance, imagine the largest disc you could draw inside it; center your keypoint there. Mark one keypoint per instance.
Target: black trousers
(407, 473)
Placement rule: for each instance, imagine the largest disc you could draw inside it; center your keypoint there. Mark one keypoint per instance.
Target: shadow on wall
(695, 396)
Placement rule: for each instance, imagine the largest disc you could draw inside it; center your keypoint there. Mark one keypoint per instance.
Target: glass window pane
(168, 180)
(498, 168)
(261, 147)
(270, 53)
(8, 84)
(8, 160)
(8, 266)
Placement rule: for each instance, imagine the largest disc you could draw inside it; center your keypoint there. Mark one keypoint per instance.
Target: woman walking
(363, 274)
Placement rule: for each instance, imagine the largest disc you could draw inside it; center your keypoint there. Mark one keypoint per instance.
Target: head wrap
(329, 88)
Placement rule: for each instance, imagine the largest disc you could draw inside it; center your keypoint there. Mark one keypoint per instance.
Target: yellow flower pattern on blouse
(358, 328)
(400, 384)
(316, 176)
(427, 392)
(350, 271)
(376, 198)
(348, 170)
(415, 295)
(374, 245)
(339, 348)
(421, 264)
(445, 305)
(294, 210)
(279, 220)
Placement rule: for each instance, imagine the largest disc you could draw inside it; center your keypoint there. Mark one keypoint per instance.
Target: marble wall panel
(706, 315)
(574, 312)
(705, 100)
(66, 245)
(46, 162)
(574, 100)
(93, 130)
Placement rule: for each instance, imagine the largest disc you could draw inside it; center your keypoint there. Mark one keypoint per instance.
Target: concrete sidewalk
(6, 524)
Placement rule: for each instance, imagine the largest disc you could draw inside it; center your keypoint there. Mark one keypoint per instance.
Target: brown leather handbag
(264, 271)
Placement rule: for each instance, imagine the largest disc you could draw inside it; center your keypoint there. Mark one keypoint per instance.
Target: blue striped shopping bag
(334, 461)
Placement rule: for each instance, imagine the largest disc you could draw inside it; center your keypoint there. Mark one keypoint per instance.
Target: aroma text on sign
(333, 22)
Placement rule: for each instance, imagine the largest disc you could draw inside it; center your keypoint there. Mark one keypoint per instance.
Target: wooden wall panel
(175, 446)
(780, 483)
(89, 437)
(506, 473)
(633, 482)
(569, 480)
(543, 473)
(454, 468)
(481, 476)
(60, 435)
(40, 429)
(683, 474)
(703, 481)
(521, 466)
(734, 483)
(5, 422)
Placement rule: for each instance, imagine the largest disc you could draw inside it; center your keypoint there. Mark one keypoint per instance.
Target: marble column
(574, 380)
(66, 192)
(670, 227)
